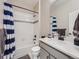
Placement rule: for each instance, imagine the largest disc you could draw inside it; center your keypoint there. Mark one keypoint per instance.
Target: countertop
(63, 46)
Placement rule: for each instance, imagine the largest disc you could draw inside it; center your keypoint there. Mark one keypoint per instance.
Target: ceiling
(29, 4)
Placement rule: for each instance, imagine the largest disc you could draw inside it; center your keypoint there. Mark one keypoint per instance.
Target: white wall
(1, 18)
(36, 8)
(44, 17)
(1, 14)
(29, 4)
(62, 12)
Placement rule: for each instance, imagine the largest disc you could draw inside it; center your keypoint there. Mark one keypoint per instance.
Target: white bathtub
(23, 51)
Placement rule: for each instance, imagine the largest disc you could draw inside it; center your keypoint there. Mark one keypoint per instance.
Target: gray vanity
(56, 49)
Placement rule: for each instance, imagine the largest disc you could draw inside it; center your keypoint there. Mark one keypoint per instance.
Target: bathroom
(33, 30)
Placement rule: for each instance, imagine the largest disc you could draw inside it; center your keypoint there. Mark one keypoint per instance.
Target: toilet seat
(36, 48)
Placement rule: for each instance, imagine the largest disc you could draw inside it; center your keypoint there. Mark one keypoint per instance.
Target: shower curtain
(8, 22)
(53, 24)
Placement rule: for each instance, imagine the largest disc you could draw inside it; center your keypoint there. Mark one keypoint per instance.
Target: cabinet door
(53, 52)
(60, 55)
(51, 57)
(43, 54)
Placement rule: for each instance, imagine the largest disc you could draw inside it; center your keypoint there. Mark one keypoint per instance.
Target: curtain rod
(24, 8)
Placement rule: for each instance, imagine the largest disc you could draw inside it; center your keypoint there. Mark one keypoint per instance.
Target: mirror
(66, 13)
(72, 17)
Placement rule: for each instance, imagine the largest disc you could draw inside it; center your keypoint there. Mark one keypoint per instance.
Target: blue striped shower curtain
(8, 22)
(53, 24)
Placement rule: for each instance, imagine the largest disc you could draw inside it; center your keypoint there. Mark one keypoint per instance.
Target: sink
(66, 46)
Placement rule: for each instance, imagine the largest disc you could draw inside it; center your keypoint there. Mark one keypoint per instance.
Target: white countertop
(63, 46)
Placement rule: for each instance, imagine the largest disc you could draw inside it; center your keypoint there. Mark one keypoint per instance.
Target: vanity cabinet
(48, 52)
(43, 54)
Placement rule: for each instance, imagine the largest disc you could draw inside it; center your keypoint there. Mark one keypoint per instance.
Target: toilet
(36, 52)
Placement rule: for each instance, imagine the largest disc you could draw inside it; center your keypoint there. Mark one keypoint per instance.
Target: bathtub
(23, 51)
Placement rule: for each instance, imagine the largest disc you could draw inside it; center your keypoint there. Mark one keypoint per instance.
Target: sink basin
(66, 46)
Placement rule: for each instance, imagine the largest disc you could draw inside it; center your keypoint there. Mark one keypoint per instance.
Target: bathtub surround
(8, 22)
(24, 32)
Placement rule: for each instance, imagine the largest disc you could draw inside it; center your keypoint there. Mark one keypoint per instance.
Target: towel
(76, 28)
(53, 24)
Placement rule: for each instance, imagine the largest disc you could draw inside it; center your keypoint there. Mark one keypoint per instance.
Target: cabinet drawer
(53, 51)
